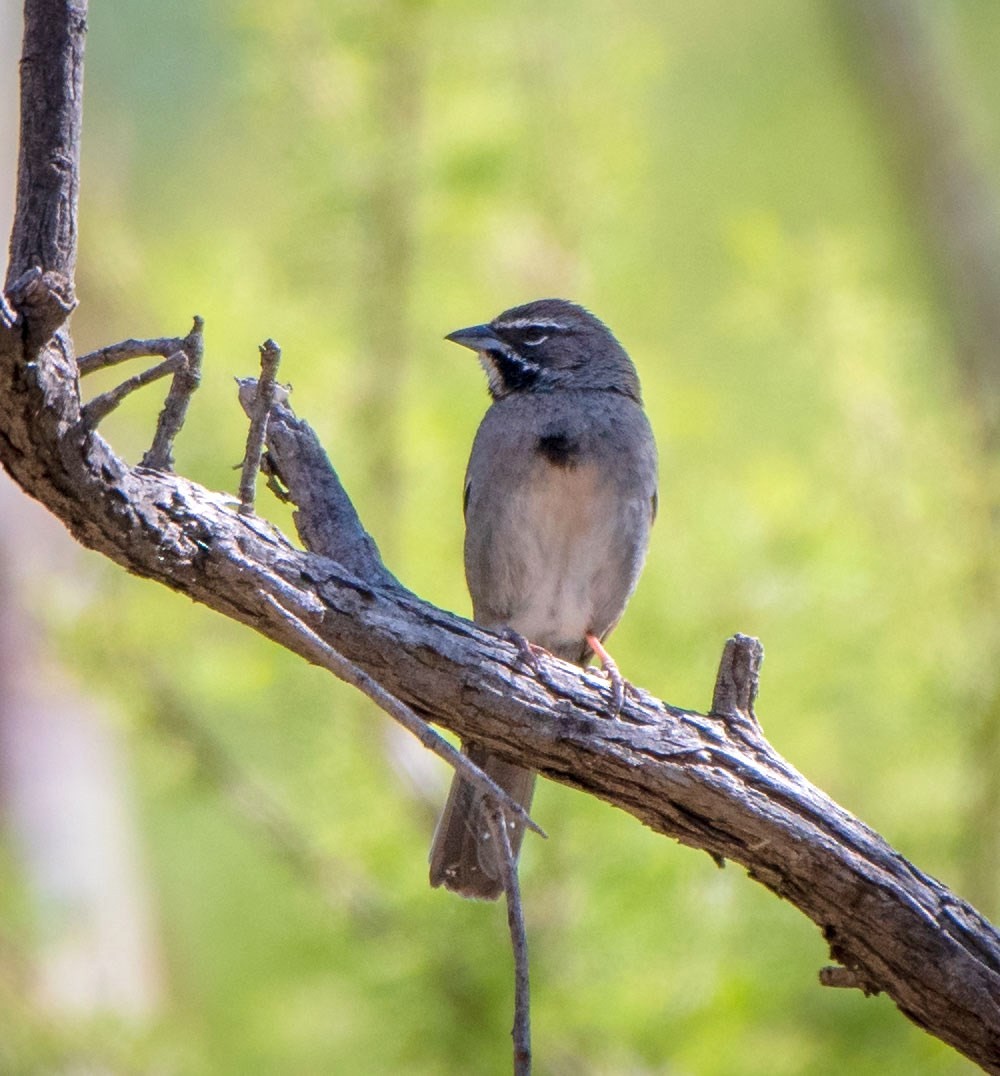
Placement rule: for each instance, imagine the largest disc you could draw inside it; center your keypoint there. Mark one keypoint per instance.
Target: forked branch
(710, 781)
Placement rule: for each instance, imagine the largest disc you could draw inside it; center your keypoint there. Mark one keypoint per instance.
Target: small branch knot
(738, 678)
(841, 978)
(42, 301)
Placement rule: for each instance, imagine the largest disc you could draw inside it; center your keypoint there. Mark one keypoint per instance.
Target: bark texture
(708, 780)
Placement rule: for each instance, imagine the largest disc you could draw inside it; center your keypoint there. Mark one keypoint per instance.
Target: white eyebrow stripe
(530, 323)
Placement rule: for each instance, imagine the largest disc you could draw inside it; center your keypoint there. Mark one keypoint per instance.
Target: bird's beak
(476, 337)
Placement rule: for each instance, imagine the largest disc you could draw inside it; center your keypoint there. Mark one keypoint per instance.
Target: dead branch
(270, 357)
(326, 657)
(521, 1030)
(709, 781)
(102, 406)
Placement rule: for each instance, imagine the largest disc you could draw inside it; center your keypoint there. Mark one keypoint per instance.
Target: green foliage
(706, 177)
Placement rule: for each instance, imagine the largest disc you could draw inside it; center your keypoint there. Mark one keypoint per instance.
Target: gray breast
(558, 514)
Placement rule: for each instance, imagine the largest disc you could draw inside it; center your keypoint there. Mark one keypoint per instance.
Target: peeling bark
(710, 781)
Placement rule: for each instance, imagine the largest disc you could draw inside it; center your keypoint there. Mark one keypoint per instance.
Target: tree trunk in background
(67, 820)
(957, 211)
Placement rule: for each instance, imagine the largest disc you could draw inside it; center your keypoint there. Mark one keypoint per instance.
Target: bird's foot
(527, 652)
(619, 685)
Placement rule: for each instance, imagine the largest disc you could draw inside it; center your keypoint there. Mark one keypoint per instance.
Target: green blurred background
(722, 184)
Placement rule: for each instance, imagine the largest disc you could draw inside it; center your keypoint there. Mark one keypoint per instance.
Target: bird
(560, 495)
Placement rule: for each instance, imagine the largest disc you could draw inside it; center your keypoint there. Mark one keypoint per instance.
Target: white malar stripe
(493, 375)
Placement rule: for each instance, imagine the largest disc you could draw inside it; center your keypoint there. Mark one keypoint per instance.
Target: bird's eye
(533, 339)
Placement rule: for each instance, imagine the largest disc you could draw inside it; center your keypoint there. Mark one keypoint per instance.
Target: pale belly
(566, 576)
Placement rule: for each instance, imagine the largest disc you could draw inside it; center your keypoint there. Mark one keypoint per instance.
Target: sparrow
(560, 495)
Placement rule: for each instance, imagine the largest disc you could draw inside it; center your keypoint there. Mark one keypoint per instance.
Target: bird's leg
(527, 651)
(619, 685)
(528, 655)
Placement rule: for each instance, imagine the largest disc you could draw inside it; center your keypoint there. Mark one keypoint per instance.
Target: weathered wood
(709, 781)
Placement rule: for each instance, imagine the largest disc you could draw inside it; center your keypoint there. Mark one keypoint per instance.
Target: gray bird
(560, 494)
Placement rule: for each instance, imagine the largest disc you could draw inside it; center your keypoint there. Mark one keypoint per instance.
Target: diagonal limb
(102, 406)
(181, 359)
(125, 350)
(171, 419)
(325, 656)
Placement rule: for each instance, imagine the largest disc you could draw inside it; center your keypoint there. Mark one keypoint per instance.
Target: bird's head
(546, 345)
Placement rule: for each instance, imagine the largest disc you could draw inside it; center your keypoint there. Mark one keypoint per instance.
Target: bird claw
(619, 685)
(527, 652)
(617, 682)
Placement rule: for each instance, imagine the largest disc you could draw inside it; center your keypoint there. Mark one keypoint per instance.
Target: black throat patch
(559, 449)
(516, 374)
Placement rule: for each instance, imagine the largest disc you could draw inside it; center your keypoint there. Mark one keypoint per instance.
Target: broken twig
(521, 1031)
(325, 656)
(270, 357)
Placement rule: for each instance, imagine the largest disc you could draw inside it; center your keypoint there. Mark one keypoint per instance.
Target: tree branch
(48, 166)
(270, 357)
(521, 1030)
(709, 781)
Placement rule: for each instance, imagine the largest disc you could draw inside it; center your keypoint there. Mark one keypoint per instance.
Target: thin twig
(270, 357)
(113, 354)
(521, 1031)
(171, 418)
(325, 518)
(328, 658)
(101, 406)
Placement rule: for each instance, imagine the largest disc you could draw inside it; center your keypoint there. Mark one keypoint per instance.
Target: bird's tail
(464, 857)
